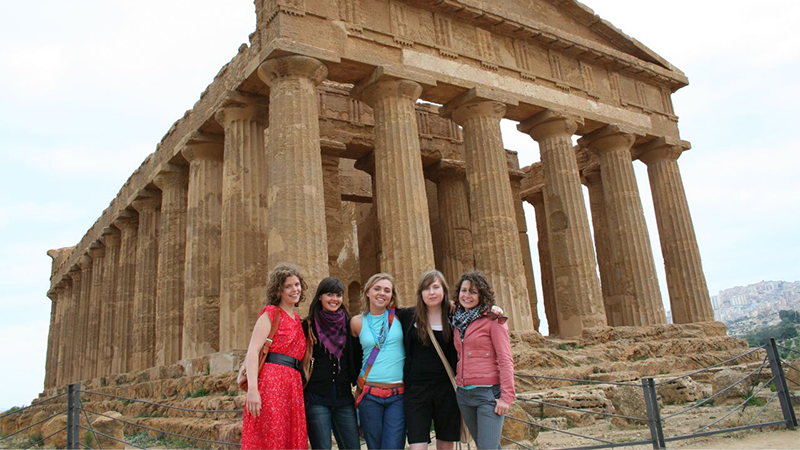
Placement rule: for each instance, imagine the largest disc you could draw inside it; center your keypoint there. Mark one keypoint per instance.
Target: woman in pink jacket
(485, 373)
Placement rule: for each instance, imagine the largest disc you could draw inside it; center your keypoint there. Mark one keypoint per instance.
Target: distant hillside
(747, 309)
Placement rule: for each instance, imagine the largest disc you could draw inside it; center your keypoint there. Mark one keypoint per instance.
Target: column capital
(146, 201)
(52, 294)
(446, 169)
(195, 151)
(292, 66)
(126, 220)
(608, 138)
(550, 123)
(238, 106)
(97, 250)
(662, 149)
(172, 176)
(476, 95)
(391, 81)
(487, 108)
(110, 237)
(85, 262)
(591, 175)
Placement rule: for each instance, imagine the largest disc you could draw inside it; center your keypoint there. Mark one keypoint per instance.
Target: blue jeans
(341, 420)
(383, 421)
(477, 409)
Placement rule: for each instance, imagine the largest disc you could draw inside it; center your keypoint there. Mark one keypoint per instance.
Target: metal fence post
(780, 383)
(74, 416)
(653, 413)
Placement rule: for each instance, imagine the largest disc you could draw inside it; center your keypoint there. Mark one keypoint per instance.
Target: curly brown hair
(479, 282)
(276, 279)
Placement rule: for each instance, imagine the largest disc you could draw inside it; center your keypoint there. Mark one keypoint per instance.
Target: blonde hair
(371, 282)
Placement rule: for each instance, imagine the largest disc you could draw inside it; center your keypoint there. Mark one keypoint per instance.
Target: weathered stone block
(111, 427)
(516, 430)
(680, 391)
(726, 378)
(225, 362)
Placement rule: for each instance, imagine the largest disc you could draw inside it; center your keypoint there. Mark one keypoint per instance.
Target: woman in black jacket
(328, 396)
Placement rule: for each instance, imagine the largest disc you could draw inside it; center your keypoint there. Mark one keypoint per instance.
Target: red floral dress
(282, 423)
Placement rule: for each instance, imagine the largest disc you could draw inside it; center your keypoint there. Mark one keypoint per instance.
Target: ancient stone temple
(357, 136)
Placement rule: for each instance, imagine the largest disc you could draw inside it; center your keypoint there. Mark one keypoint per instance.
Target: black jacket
(325, 371)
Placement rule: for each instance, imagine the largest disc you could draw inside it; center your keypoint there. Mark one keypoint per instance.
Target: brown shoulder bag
(241, 379)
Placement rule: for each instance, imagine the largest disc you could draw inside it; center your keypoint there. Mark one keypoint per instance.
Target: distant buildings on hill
(745, 308)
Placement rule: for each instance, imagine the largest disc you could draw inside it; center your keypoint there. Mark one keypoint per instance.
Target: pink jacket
(485, 357)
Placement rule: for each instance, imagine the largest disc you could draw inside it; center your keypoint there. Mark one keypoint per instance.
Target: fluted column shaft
(95, 310)
(82, 353)
(105, 353)
(610, 273)
(64, 333)
(171, 265)
(525, 247)
(243, 239)
(545, 264)
(144, 292)
(628, 230)
(407, 250)
(73, 326)
(201, 317)
(332, 181)
(296, 199)
(52, 334)
(457, 253)
(128, 225)
(495, 237)
(579, 300)
(686, 281)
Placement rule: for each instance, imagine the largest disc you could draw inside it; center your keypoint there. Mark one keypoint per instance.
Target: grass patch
(149, 415)
(641, 358)
(88, 439)
(202, 392)
(28, 441)
(143, 439)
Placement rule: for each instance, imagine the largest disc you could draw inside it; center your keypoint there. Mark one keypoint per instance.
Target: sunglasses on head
(494, 316)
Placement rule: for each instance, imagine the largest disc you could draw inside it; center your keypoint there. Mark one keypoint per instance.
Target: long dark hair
(421, 313)
(276, 279)
(330, 285)
(481, 284)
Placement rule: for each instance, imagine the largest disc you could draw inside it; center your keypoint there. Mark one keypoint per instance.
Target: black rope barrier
(735, 408)
(557, 430)
(114, 439)
(163, 405)
(704, 401)
(515, 442)
(209, 441)
(705, 369)
(47, 437)
(19, 410)
(787, 349)
(726, 430)
(587, 411)
(31, 426)
(763, 408)
(611, 445)
(575, 380)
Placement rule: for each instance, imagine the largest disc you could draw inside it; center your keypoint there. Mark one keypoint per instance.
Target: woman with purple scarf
(330, 406)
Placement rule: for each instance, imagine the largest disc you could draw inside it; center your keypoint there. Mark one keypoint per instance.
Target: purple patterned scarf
(332, 331)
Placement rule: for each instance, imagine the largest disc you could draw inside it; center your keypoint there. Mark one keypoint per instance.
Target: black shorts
(433, 402)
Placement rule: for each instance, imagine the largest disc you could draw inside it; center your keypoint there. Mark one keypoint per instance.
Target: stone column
(173, 183)
(52, 332)
(545, 264)
(201, 317)
(686, 281)
(610, 272)
(296, 199)
(96, 303)
(628, 230)
(128, 225)
(400, 196)
(73, 326)
(64, 323)
(243, 239)
(144, 292)
(525, 246)
(580, 303)
(457, 253)
(81, 365)
(495, 237)
(334, 222)
(105, 354)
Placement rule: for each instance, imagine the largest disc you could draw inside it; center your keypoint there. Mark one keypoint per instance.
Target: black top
(423, 365)
(331, 381)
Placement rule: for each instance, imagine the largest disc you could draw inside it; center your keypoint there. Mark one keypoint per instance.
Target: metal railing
(655, 421)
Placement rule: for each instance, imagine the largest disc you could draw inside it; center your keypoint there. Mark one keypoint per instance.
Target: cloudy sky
(88, 88)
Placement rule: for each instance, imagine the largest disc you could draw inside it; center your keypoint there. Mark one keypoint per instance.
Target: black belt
(285, 360)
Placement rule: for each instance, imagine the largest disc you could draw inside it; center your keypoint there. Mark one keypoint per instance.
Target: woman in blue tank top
(380, 401)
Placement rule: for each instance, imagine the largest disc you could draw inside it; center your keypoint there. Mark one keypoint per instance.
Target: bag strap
(446, 363)
(275, 322)
(362, 378)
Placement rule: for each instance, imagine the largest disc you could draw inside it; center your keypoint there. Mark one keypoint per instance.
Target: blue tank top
(388, 366)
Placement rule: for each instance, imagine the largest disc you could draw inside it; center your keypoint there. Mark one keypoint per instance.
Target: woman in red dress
(274, 414)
